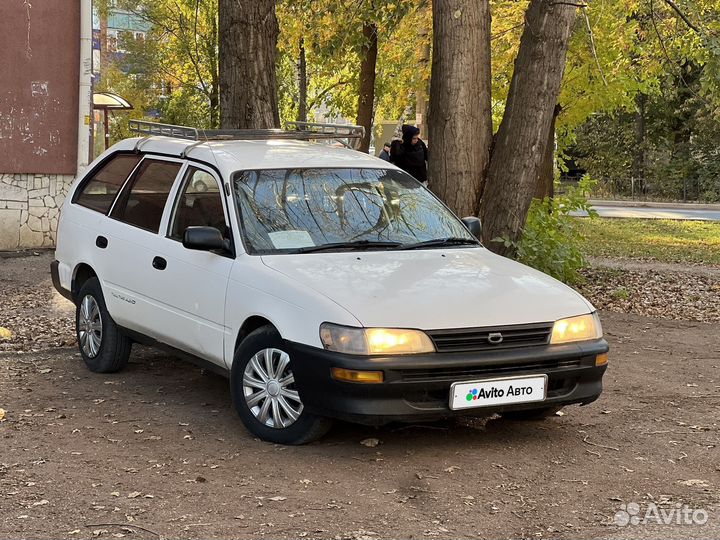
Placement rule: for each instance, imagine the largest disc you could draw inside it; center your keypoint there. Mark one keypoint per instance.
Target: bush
(551, 240)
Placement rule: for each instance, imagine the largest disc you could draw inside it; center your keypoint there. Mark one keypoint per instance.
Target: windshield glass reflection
(296, 210)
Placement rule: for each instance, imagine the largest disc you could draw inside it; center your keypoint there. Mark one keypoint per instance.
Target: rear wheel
(102, 346)
(531, 414)
(265, 395)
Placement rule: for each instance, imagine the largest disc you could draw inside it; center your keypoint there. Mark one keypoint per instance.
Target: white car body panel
(432, 289)
(296, 311)
(201, 300)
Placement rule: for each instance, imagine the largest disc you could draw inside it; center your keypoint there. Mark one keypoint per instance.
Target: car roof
(235, 155)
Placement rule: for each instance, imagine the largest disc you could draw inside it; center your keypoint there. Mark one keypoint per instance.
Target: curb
(650, 204)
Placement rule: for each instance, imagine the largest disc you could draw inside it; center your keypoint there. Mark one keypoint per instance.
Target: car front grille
(479, 339)
(474, 372)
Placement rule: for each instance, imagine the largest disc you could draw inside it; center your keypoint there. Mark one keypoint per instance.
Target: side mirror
(473, 225)
(203, 239)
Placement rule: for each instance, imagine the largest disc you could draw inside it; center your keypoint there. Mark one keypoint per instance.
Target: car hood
(432, 289)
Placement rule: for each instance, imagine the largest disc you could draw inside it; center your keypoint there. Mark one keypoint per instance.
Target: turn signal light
(351, 375)
(601, 359)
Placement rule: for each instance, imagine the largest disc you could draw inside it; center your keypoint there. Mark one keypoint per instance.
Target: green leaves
(551, 241)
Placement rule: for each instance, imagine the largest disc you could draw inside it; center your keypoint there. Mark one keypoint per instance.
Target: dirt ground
(157, 451)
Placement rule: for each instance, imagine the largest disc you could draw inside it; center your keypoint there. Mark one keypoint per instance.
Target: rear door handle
(159, 263)
(101, 242)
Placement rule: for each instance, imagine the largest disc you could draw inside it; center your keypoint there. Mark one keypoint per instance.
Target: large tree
(522, 138)
(460, 122)
(248, 41)
(460, 114)
(366, 97)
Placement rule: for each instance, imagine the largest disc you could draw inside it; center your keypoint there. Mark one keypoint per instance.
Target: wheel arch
(81, 274)
(251, 324)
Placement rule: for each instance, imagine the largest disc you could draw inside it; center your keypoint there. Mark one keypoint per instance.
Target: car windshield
(322, 209)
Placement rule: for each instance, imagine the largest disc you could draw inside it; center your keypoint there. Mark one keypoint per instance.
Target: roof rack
(149, 129)
(295, 130)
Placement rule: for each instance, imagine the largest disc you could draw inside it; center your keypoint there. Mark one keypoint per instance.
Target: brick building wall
(39, 108)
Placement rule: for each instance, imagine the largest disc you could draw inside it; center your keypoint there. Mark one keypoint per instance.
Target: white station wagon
(325, 283)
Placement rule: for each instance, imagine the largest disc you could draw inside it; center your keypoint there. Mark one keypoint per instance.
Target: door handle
(159, 263)
(101, 242)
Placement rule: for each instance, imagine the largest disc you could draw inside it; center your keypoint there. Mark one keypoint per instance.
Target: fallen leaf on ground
(370, 443)
(277, 498)
(133, 495)
(5, 333)
(2, 415)
(694, 482)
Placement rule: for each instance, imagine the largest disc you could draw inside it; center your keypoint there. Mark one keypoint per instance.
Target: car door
(131, 244)
(192, 284)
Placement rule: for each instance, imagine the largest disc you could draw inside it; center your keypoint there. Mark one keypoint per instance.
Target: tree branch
(592, 47)
(322, 94)
(569, 4)
(684, 17)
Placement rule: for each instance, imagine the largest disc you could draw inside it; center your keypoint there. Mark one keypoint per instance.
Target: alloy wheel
(269, 389)
(90, 327)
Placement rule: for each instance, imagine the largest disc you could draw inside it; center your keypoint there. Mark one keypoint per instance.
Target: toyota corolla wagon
(325, 283)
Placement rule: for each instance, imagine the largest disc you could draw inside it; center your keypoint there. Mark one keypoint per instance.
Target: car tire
(264, 392)
(103, 347)
(531, 414)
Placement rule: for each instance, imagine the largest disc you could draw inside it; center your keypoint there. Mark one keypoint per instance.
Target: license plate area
(498, 391)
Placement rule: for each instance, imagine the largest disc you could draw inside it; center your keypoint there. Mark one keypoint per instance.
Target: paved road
(655, 213)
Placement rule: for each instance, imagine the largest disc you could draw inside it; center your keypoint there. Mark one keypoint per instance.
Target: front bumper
(417, 387)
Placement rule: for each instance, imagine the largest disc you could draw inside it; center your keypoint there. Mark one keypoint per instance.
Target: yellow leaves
(5, 333)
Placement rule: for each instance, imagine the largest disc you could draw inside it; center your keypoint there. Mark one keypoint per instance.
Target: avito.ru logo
(680, 514)
(498, 392)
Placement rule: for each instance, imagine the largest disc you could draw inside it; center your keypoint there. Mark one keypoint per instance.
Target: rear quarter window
(99, 192)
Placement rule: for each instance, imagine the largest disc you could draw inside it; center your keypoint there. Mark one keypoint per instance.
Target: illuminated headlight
(368, 341)
(581, 328)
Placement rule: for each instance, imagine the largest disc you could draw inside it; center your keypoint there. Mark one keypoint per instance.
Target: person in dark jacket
(410, 154)
(385, 152)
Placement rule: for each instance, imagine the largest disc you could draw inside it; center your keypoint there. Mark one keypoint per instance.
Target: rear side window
(99, 192)
(142, 202)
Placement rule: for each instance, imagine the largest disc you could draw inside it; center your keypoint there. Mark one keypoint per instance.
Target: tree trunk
(459, 115)
(248, 88)
(302, 83)
(214, 68)
(546, 179)
(366, 99)
(214, 108)
(521, 139)
(639, 158)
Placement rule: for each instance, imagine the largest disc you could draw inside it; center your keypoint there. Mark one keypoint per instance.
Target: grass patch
(656, 239)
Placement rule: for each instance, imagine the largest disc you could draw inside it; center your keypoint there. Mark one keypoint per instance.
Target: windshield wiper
(357, 244)
(440, 242)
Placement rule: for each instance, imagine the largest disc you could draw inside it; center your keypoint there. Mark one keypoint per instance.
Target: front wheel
(265, 395)
(103, 347)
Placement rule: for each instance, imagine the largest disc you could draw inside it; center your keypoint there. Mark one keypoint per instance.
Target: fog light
(351, 375)
(601, 359)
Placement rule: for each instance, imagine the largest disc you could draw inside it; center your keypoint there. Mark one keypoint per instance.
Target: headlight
(368, 341)
(581, 328)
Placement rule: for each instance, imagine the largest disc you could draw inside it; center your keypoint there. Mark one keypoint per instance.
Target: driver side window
(200, 204)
